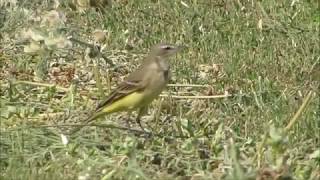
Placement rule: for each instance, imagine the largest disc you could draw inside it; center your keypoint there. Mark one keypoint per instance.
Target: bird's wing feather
(124, 89)
(134, 83)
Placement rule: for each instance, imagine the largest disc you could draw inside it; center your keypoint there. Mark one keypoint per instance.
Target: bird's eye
(167, 47)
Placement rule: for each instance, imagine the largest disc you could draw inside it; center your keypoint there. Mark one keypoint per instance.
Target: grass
(265, 54)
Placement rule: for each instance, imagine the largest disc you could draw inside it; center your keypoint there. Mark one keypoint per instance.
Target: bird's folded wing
(124, 89)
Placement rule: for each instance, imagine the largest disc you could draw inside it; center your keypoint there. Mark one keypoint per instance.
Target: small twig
(197, 97)
(188, 85)
(42, 84)
(299, 112)
(27, 103)
(50, 115)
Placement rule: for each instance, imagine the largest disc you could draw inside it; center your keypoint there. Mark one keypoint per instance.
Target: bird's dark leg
(140, 113)
(128, 119)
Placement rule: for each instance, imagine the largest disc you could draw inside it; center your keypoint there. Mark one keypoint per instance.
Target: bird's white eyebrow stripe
(166, 46)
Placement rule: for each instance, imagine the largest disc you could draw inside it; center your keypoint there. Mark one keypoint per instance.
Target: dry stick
(299, 112)
(42, 84)
(49, 115)
(188, 85)
(192, 97)
(197, 97)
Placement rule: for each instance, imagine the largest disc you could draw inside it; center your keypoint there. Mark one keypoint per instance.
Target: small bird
(141, 87)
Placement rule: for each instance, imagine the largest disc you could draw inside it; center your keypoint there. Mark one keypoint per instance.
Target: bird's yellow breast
(140, 98)
(129, 102)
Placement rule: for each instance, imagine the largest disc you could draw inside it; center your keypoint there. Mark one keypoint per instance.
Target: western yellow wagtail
(141, 87)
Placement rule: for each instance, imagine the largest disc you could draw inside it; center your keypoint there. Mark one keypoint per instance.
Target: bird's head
(165, 50)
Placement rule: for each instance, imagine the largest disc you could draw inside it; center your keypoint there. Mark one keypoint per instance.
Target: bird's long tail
(93, 117)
